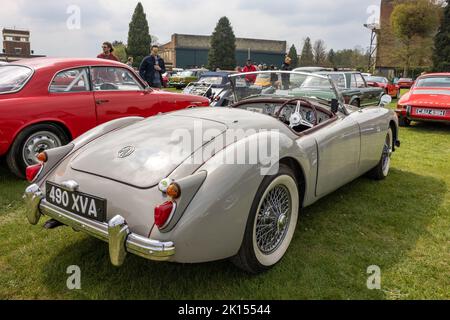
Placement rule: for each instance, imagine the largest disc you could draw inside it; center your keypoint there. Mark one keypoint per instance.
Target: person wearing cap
(250, 67)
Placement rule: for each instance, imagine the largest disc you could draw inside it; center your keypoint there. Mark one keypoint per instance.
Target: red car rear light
(33, 171)
(163, 212)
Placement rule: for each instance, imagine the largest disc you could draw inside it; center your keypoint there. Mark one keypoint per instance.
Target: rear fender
(213, 226)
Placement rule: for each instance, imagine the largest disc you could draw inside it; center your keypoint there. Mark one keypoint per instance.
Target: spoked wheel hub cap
(273, 219)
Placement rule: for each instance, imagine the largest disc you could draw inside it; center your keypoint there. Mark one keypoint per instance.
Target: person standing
(285, 78)
(250, 67)
(107, 52)
(273, 76)
(130, 62)
(152, 68)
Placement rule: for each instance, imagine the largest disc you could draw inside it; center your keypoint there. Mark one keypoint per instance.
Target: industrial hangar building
(188, 51)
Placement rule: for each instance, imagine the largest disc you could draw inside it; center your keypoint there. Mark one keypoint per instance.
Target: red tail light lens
(163, 213)
(33, 171)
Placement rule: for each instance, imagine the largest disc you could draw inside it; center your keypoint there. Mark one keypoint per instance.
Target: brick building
(389, 61)
(185, 51)
(16, 45)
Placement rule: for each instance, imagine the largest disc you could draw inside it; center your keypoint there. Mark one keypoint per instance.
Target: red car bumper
(434, 114)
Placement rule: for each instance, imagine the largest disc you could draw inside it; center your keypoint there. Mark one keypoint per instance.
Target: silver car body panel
(213, 224)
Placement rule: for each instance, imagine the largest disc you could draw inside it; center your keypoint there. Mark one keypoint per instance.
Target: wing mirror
(385, 100)
(334, 106)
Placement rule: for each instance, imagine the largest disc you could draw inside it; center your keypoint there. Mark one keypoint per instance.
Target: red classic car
(405, 83)
(391, 89)
(45, 103)
(428, 100)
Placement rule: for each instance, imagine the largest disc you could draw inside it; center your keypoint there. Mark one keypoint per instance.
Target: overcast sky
(57, 31)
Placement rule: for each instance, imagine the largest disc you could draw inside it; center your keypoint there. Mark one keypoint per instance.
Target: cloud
(339, 23)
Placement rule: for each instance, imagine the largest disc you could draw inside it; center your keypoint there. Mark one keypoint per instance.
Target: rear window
(339, 79)
(13, 78)
(376, 79)
(434, 82)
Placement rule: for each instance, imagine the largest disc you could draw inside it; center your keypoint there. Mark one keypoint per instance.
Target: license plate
(430, 112)
(76, 202)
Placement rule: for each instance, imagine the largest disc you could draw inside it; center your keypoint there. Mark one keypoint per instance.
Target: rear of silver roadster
(124, 184)
(141, 192)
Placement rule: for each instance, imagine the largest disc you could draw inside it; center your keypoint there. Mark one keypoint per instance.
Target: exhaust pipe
(52, 224)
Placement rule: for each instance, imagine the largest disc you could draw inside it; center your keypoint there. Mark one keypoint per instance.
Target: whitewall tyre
(271, 223)
(381, 171)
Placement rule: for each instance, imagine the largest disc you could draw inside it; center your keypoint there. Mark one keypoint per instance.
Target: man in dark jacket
(152, 68)
(285, 78)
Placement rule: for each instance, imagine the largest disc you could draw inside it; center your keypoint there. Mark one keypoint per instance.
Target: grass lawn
(173, 90)
(401, 224)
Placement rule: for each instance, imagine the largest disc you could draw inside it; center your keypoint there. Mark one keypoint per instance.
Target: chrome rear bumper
(116, 233)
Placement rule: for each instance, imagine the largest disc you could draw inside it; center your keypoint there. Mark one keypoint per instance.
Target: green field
(401, 224)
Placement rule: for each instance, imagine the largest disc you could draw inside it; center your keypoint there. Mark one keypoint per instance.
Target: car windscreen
(186, 74)
(13, 78)
(211, 80)
(434, 82)
(283, 84)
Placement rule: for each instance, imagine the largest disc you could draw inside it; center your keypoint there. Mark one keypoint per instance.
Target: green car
(354, 88)
(182, 79)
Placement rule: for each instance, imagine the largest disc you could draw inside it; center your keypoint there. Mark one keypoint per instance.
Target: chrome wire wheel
(38, 142)
(275, 220)
(387, 153)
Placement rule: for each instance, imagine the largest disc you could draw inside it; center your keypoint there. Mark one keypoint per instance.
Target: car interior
(298, 114)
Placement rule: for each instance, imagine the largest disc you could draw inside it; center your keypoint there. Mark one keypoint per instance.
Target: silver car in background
(207, 184)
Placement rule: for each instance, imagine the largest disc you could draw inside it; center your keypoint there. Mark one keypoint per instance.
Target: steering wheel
(297, 118)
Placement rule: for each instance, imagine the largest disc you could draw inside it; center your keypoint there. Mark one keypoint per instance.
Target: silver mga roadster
(207, 184)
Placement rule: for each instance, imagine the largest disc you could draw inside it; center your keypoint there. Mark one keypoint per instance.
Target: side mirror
(385, 100)
(334, 106)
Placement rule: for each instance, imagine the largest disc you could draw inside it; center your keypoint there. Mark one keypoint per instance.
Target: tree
(349, 58)
(307, 56)
(320, 52)
(441, 56)
(120, 51)
(331, 58)
(155, 40)
(139, 39)
(223, 46)
(294, 56)
(413, 21)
